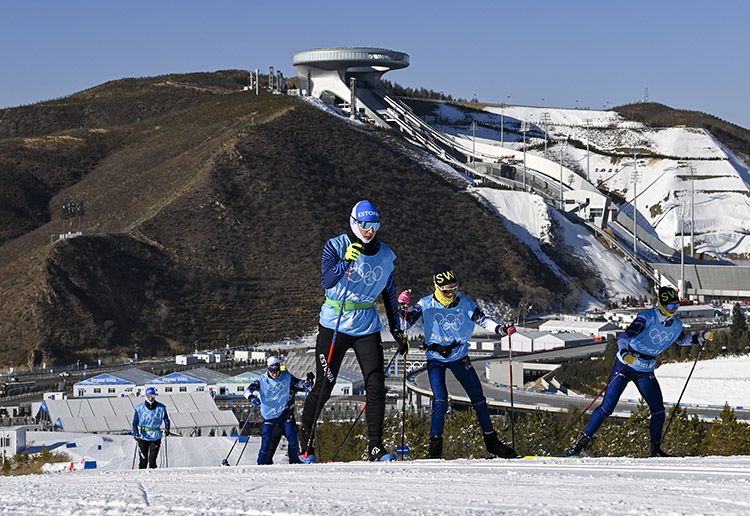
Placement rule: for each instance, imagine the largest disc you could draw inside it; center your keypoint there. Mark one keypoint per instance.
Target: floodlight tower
(635, 205)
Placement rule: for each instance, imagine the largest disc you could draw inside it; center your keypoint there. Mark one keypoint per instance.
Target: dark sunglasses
(367, 225)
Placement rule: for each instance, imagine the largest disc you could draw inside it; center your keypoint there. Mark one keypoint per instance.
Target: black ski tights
(369, 352)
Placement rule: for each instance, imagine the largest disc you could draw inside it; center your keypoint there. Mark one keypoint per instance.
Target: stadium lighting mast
(502, 124)
(473, 140)
(635, 205)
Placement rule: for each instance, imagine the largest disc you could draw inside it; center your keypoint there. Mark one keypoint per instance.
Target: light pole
(562, 202)
(473, 140)
(692, 210)
(681, 212)
(502, 125)
(588, 168)
(524, 129)
(635, 205)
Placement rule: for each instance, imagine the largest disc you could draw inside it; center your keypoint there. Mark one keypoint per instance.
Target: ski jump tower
(347, 76)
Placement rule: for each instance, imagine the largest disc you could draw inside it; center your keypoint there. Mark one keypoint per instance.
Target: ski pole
(354, 424)
(674, 410)
(255, 422)
(225, 462)
(327, 367)
(166, 451)
(575, 422)
(135, 452)
(512, 416)
(403, 388)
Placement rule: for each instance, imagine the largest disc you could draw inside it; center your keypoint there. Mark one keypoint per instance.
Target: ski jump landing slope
(699, 485)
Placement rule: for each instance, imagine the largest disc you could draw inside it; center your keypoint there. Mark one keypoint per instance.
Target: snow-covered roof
(186, 410)
(242, 378)
(565, 337)
(591, 326)
(124, 377)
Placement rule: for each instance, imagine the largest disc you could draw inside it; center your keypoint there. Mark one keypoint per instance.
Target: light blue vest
(443, 326)
(654, 340)
(369, 278)
(274, 394)
(149, 421)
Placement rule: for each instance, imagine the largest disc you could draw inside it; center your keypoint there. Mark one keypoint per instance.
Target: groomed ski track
(695, 485)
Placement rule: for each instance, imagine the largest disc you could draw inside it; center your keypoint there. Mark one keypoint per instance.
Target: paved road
(530, 400)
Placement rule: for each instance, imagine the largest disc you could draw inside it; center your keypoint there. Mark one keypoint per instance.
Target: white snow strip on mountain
(532, 220)
(696, 485)
(713, 382)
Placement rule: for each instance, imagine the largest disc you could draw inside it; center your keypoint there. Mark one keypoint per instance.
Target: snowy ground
(713, 382)
(707, 485)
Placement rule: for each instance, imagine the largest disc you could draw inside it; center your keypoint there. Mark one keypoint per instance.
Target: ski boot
(496, 447)
(578, 447)
(377, 452)
(656, 451)
(436, 447)
(307, 453)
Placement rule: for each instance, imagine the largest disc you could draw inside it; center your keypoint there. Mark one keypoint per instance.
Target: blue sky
(692, 55)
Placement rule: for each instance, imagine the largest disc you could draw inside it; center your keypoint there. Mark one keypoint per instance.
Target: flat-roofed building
(128, 382)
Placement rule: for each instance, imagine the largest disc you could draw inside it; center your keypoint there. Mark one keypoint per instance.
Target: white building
(348, 383)
(498, 371)
(186, 360)
(241, 355)
(593, 328)
(12, 440)
(129, 382)
(192, 380)
(522, 341)
(551, 341)
(236, 385)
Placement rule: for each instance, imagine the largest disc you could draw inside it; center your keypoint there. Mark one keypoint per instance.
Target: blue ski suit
(447, 331)
(647, 337)
(277, 399)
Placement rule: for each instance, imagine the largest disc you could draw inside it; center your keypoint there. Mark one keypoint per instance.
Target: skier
(648, 336)
(147, 421)
(449, 319)
(276, 389)
(371, 265)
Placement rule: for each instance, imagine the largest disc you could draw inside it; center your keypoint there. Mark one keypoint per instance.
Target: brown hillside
(207, 219)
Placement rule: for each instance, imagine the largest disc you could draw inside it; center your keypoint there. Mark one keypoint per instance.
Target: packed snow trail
(705, 485)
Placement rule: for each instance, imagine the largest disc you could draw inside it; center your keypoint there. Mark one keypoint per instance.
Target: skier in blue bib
(276, 391)
(371, 264)
(147, 421)
(449, 319)
(648, 336)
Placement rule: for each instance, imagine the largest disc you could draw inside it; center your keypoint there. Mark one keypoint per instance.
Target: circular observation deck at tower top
(360, 59)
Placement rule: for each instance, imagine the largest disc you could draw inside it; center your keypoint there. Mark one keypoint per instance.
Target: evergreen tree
(727, 436)
(739, 323)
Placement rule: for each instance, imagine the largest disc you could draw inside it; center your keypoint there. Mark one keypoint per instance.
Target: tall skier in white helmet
(372, 264)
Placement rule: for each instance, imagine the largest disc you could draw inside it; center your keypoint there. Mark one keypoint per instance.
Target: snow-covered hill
(699, 485)
(534, 222)
(667, 158)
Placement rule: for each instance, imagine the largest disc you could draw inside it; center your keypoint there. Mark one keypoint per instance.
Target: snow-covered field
(699, 485)
(713, 382)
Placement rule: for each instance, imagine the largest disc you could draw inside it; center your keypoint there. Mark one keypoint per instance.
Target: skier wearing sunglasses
(648, 336)
(449, 319)
(357, 269)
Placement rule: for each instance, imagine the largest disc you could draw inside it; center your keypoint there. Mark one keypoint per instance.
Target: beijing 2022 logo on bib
(450, 321)
(367, 274)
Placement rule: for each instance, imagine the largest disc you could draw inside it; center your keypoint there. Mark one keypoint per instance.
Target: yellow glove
(353, 252)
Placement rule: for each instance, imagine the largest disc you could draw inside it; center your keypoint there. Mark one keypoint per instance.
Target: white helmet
(273, 363)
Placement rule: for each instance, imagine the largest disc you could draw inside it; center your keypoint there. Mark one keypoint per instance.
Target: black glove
(166, 433)
(135, 436)
(310, 376)
(402, 340)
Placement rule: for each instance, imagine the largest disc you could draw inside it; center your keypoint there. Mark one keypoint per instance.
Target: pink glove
(510, 329)
(404, 297)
